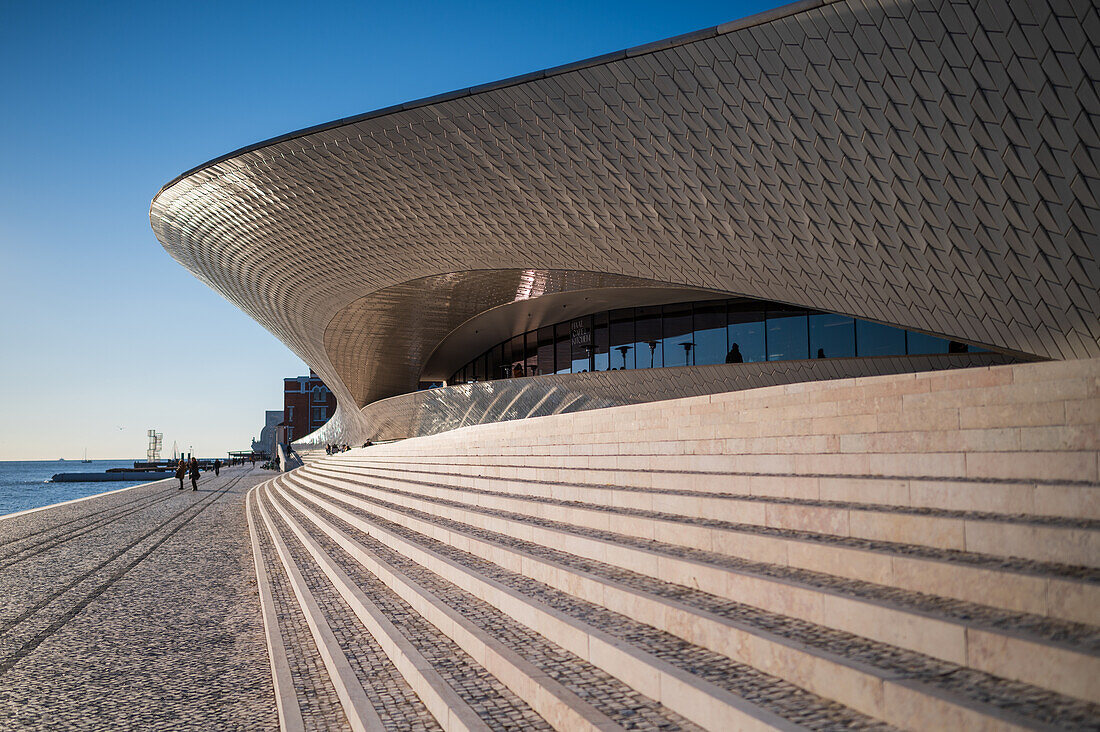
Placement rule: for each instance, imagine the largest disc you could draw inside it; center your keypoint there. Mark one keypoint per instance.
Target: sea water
(25, 483)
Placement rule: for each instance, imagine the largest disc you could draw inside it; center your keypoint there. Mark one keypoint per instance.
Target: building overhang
(825, 154)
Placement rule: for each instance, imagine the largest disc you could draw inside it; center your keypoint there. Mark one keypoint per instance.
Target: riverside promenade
(914, 551)
(135, 610)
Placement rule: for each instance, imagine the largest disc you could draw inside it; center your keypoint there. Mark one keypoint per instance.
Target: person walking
(181, 471)
(194, 474)
(217, 468)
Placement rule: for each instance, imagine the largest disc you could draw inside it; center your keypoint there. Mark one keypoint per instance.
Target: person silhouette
(821, 353)
(734, 356)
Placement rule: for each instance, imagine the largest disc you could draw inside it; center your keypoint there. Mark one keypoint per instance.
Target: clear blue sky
(103, 335)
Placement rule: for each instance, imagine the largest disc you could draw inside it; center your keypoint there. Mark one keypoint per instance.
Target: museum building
(780, 338)
(799, 161)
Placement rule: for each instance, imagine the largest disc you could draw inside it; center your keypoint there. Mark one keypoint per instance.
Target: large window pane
(622, 339)
(531, 353)
(647, 324)
(717, 331)
(677, 342)
(746, 335)
(710, 333)
(788, 337)
(601, 360)
(495, 363)
(832, 336)
(516, 358)
(546, 349)
(562, 349)
(917, 343)
(873, 339)
(580, 339)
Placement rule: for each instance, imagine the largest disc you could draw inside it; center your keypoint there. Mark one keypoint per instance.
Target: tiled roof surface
(926, 163)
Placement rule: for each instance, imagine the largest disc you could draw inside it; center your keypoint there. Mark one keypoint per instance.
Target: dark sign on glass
(581, 334)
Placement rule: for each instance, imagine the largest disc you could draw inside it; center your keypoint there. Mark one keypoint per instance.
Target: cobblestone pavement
(135, 610)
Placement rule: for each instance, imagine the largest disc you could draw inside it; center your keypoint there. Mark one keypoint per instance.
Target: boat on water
(85, 460)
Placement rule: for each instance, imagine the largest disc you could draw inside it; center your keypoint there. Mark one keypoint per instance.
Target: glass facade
(832, 336)
(694, 334)
(786, 335)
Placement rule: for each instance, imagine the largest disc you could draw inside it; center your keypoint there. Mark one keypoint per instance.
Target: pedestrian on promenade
(181, 471)
(194, 474)
(217, 467)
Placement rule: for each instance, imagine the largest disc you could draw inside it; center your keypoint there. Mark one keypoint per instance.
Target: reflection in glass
(601, 360)
(580, 340)
(647, 324)
(745, 334)
(917, 343)
(516, 358)
(562, 349)
(873, 339)
(787, 336)
(832, 336)
(710, 333)
(622, 339)
(546, 349)
(531, 353)
(677, 341)
(493, 367)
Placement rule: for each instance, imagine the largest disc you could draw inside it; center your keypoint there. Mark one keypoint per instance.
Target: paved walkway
(135, 610)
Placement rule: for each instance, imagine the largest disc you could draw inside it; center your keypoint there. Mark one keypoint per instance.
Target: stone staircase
(916, 551)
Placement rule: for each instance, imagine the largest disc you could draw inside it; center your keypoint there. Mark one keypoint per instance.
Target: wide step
(307, 696)
(831, 663)
(702, 685)
(1060, 591)
(917, 552)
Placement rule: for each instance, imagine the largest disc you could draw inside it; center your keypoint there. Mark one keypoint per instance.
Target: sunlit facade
(831, 187)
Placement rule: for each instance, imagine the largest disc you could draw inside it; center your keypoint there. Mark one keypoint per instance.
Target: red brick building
(307, 405)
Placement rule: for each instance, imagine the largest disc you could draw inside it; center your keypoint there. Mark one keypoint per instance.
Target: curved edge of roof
(766, 16)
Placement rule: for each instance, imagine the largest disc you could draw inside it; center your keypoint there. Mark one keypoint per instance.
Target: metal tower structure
(156, 439)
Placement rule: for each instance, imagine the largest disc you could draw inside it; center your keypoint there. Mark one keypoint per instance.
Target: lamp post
(623, 351)
(686, 345)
